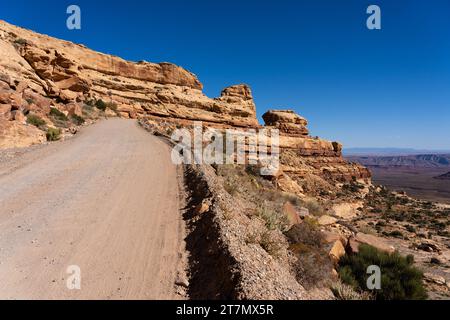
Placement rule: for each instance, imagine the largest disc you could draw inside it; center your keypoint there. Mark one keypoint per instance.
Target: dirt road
(105, 201)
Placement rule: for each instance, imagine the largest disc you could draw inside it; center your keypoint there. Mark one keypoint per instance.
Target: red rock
(5, 111)
(374, 241)
(337, 251)
(74, 109)
(291, 213)
(17, 115)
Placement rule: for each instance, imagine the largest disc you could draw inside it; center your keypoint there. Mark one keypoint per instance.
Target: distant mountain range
(410, 161)
(390, 151)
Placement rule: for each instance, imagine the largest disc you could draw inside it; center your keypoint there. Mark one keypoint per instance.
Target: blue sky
(379, 88)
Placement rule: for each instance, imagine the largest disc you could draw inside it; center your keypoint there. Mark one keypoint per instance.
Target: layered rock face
(312, 164)
(38, 72)
(69, 72)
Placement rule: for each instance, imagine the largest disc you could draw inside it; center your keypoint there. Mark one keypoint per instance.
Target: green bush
(270, 244)
(100, 104)
(400, 280)
(35, 120)
(313, 266)
(58, 114)
(76, 119)
(21, 42)
(305, 233)
(274, 220)
(314, 207)
(53, 134)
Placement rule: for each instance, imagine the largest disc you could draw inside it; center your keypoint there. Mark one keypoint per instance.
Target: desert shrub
(368, 230)
(35, 120)
(169, 131)
(270, 244)
(21, 42)
(353, 187)
(76, 119)
(90, 103)
(305, 233)
(274, 220)
(396, 234)
(89, 111)
(231, 188)
(53, 134)
(100, 104)
(293, 199)
(314, 207)
(313, 265)
(381, 224)
(253, 170)
(400, 280)
(345, 292)
(58, 114)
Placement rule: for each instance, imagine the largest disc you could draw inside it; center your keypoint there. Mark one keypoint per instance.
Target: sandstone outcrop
(13, 134)
(38, 72)
(72, 73)
(288, 122)
(373, 241)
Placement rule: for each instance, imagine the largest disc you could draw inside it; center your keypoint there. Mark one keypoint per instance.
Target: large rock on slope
(371, 240)
(14, 134)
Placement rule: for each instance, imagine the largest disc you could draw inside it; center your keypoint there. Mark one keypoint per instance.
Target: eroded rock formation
(38, 72)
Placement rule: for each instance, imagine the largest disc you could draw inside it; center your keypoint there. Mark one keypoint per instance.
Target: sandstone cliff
(39, 73)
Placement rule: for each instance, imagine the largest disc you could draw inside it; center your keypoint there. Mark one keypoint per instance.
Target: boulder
(68, 95)
(74, 109)
(5, 111)
(14, 134)
(18, 116)
(428, 246)
(110, 113)
(5, 97)
(332, 237)
(241, 91)
(371, 240)
(347, 210)
(326, 220)
(22, 86)
(434, 278)
(202, 208)
(287, 121)
(291, 213)
(287, 184)
(337, 251)
(75, 84)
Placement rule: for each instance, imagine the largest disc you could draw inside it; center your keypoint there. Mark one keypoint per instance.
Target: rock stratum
(38, 73)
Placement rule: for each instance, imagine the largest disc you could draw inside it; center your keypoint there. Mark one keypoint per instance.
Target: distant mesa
(406, 161)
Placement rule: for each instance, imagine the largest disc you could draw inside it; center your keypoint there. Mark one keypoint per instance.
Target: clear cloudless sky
(380, 88)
